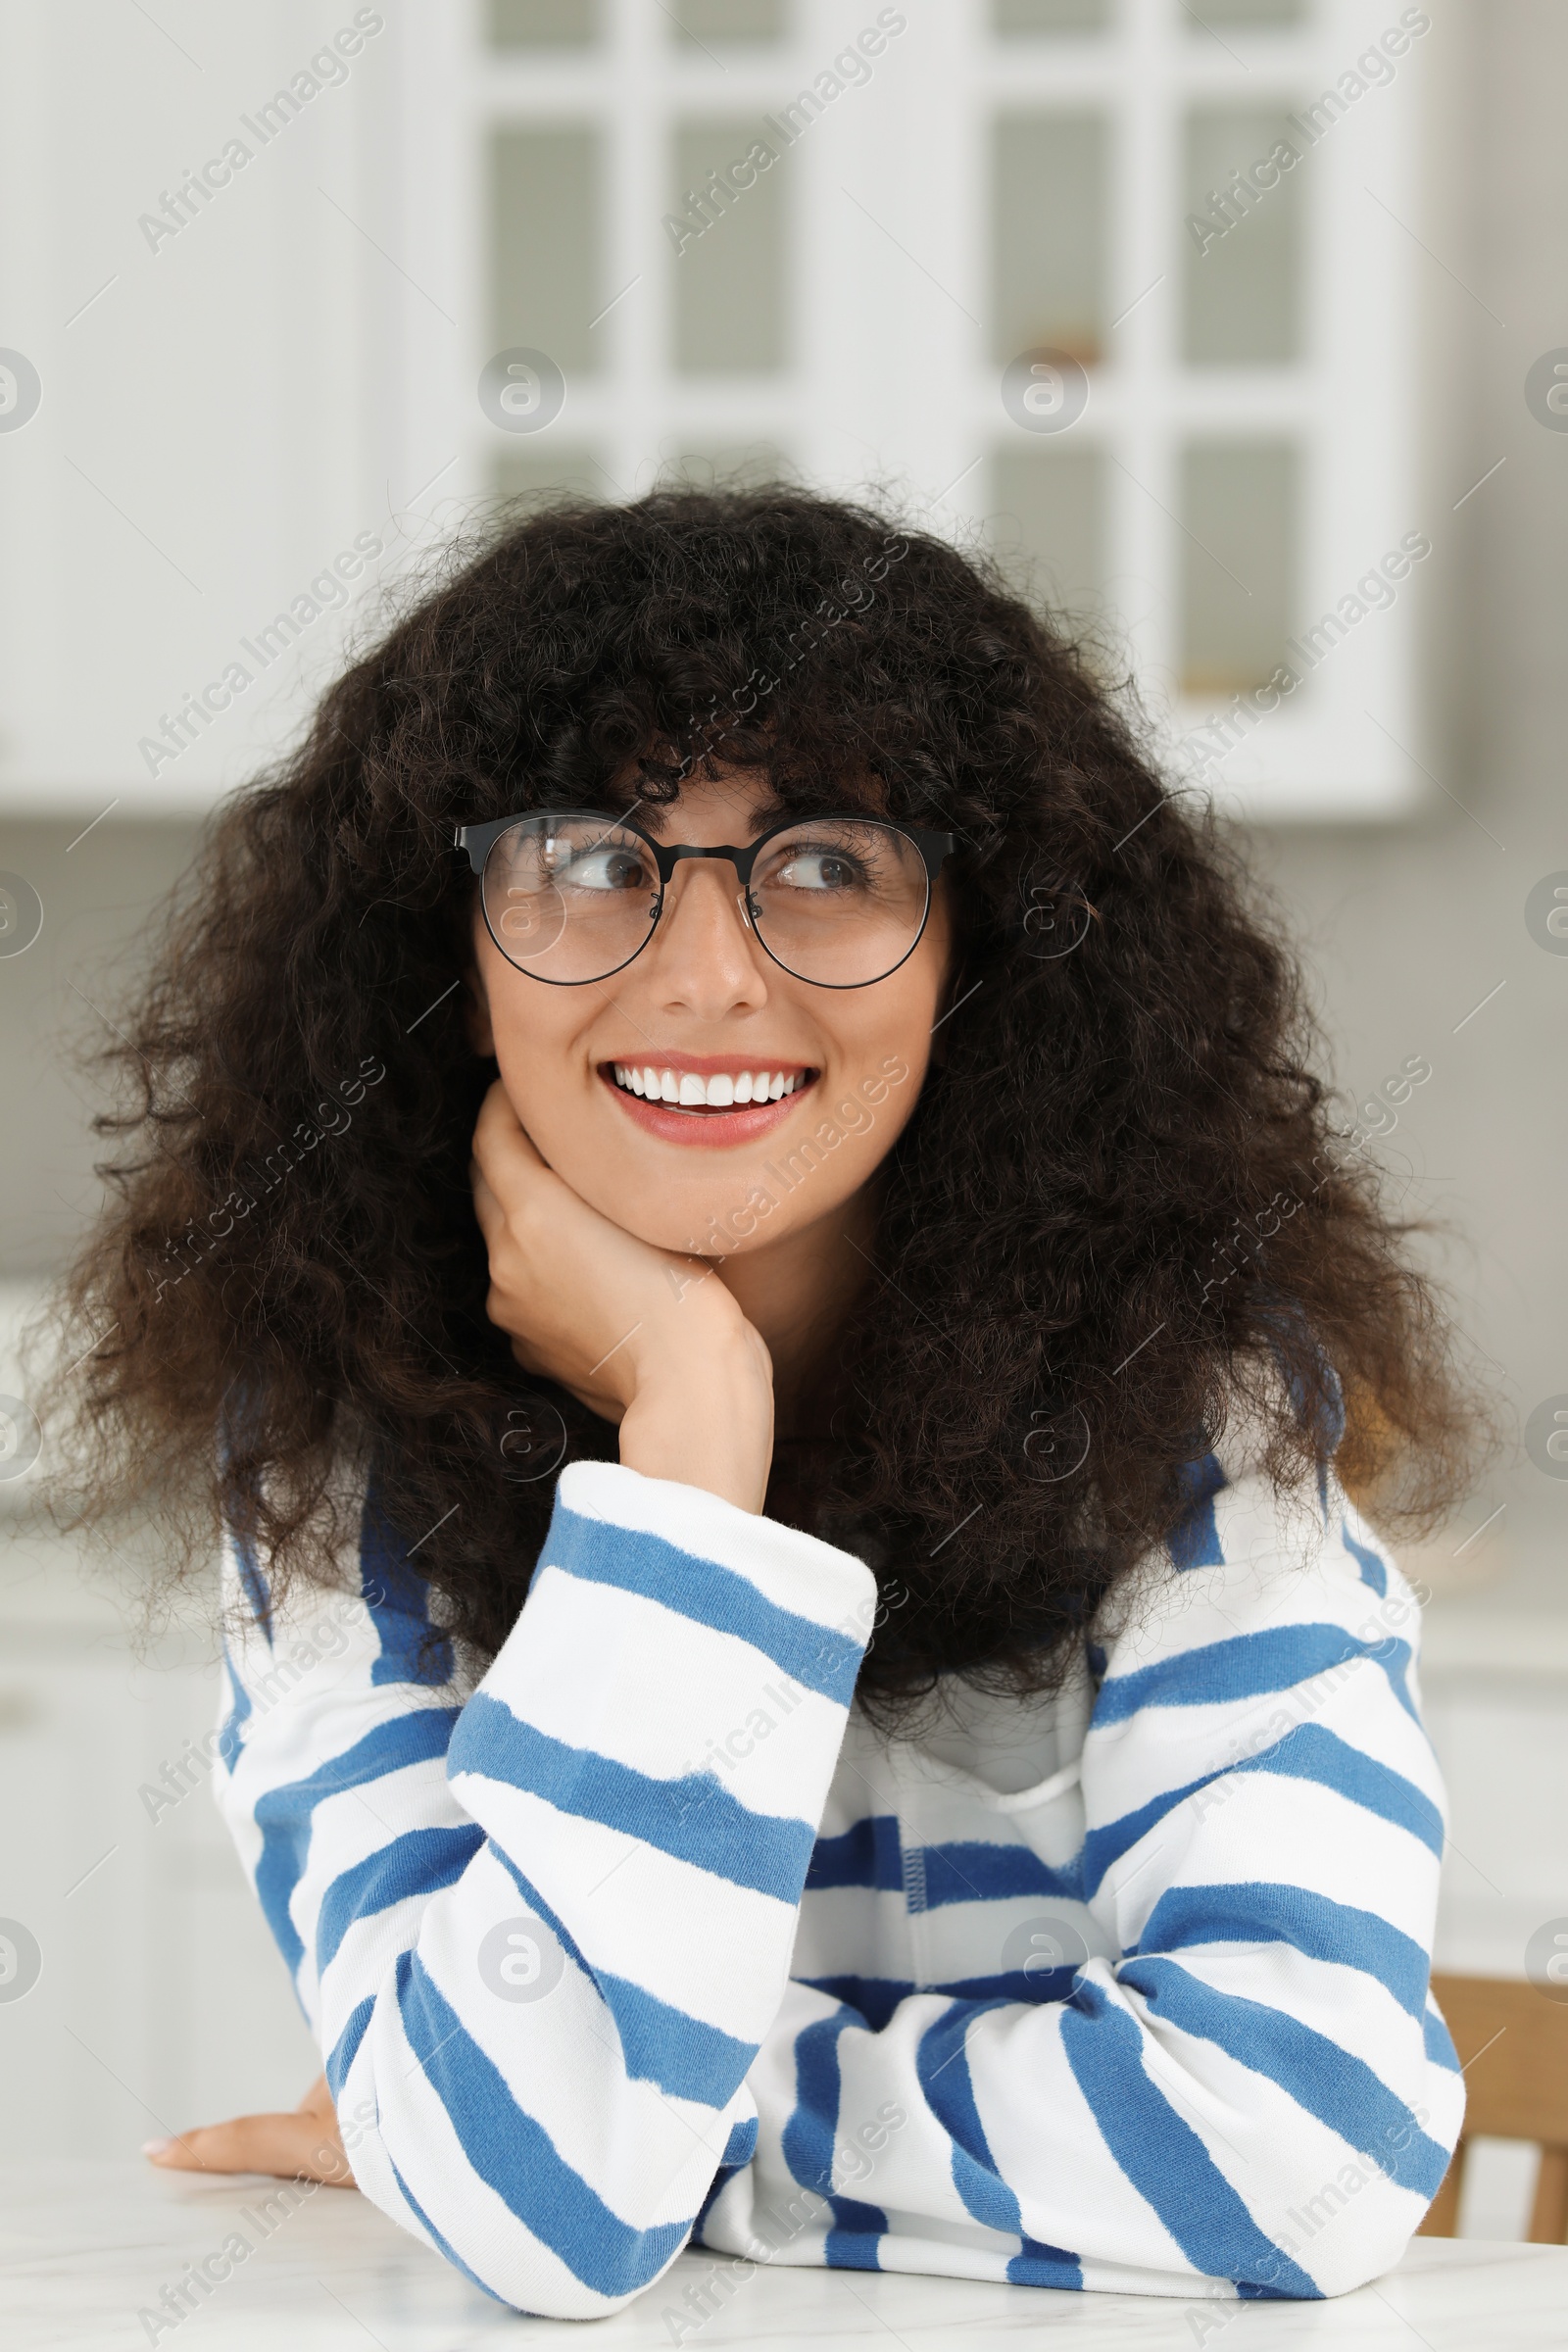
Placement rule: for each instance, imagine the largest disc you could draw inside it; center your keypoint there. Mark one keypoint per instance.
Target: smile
(711, 1104)
(719, 1090)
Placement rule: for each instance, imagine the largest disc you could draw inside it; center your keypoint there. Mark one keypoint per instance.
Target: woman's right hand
(305, 2145)
(639, 1334)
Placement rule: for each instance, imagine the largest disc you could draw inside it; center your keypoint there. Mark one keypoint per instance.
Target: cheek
(535, 1039)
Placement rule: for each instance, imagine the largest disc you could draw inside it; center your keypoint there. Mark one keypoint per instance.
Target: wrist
(702, 1411)
(701, 1333)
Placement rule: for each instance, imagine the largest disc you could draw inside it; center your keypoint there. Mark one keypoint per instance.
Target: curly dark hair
(1121, 1204)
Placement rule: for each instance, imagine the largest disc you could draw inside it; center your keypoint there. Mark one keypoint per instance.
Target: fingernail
(156, 2147)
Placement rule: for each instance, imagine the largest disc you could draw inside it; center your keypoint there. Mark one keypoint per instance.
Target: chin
(716, 1226)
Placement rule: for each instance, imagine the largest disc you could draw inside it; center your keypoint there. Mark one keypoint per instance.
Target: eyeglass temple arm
(477, 840)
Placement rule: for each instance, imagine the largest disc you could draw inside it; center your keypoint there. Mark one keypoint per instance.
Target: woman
(935, 1781)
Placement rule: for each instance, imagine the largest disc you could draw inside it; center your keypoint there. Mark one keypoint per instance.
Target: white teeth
(692, 1091)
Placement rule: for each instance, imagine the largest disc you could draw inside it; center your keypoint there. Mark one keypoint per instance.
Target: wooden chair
(1513, 2045)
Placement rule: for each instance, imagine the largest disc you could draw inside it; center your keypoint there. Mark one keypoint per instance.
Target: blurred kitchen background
(289, 293)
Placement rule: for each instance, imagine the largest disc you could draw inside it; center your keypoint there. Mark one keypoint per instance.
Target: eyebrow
(766, 813)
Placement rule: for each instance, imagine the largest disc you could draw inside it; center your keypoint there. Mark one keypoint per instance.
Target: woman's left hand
(305, 2145)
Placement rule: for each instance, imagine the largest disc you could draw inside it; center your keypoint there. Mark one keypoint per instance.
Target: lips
(700, 1113)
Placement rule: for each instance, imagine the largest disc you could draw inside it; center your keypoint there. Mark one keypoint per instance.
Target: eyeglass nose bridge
(668, 855)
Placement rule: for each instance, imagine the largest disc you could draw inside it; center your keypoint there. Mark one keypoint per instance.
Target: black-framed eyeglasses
(572, 895)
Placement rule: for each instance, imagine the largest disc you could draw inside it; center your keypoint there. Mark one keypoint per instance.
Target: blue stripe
(942, 2069)
(1036, 2263)
(1394, 1660)
(515, 2155)
(252, 1583)
(874, 1998)
(962, 1870)
(807, 2145)
(399, 1600)
(346, 2048)
(1194, 1541)
(821, 1657)
(661, 2044)
(867, 1855)
(1329, 2082)
(942, 2066)
(231, 1737)
(420, 1862)
(693, 1818)
(975, 1870)
(940, 2056)
(1312, 1753)
(684, 2055)
(739, 2149)
(445, 2246)
(1257, 1912)
(1162, 2156)
(1373, 1572)
(1327, 1427)
(1440, 2042)
(877, 1998)
(1245, 1667)
(1307, 1753)
(285, 1815)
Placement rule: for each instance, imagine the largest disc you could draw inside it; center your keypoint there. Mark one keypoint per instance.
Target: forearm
(552, 2030)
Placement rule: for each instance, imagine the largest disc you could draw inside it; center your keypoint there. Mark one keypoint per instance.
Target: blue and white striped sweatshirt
(646, 1938)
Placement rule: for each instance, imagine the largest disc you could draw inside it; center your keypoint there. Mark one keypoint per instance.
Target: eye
(607, 869)
(818, 869)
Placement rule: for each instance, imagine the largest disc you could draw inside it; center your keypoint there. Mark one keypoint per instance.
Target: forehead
(732, 806)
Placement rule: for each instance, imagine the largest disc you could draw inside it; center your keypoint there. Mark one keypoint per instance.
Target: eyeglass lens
(571, 897)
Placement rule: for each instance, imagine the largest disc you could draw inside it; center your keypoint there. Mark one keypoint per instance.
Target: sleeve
(1247, 2091)
(541, 1928)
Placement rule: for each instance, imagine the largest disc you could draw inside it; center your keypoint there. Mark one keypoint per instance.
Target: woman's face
(701, 1002)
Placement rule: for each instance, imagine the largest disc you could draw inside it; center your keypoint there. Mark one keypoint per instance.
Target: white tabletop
(84, 2248)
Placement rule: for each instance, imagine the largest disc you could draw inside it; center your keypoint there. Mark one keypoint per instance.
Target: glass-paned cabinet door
(729, 312)
(1050, 16)
(545, 283)
(1049, 216)
(1242, 292)
(712, 23)
(543, 23)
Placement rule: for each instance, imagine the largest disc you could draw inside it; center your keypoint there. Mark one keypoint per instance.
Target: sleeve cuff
(795, 1571)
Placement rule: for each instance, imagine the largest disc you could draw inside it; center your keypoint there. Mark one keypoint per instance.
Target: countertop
(86, 2249)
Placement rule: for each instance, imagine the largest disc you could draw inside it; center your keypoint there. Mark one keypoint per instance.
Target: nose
(704, 955)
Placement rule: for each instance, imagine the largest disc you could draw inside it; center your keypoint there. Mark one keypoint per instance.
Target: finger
(486, 1208)
(286, 2146)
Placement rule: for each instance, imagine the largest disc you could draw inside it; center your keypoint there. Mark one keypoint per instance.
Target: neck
(797, 1290)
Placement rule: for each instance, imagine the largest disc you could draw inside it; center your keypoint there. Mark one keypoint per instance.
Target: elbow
(570, 2263)
(540, 2283)
(530, 2296)
(1352, 2225)
(1365, 2241)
